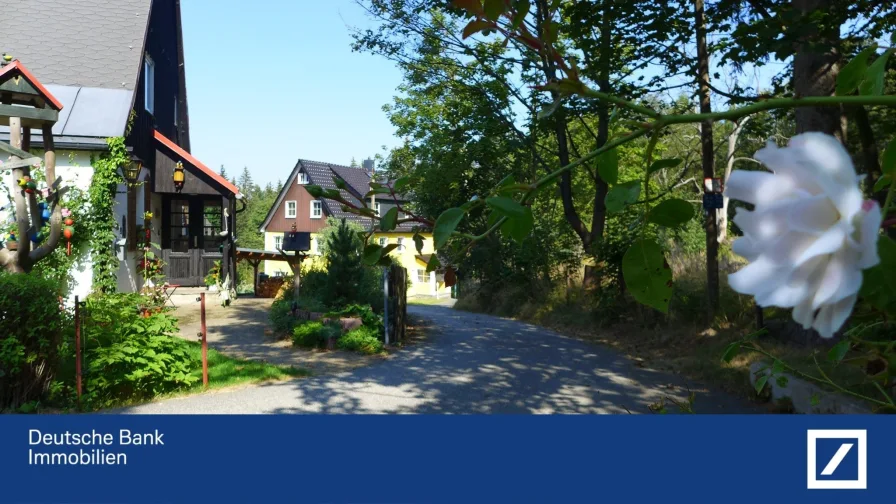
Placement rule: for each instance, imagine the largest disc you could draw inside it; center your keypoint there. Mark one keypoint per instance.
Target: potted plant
(213, 279)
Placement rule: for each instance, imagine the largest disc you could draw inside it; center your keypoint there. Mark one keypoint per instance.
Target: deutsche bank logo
(837, 459)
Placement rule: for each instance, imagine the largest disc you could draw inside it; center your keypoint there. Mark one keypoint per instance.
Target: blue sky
(321, 101)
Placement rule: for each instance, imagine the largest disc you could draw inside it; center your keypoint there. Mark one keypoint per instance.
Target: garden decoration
(68, 232)
(28, 106)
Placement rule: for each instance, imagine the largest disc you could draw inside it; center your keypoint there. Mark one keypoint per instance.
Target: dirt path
(241, 330)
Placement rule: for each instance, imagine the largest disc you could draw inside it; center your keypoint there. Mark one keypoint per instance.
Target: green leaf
(731, 351)
(522, 10)
(782, 381)
(389, 248)
(494, 9)
(671, 213)
(777, 366)
(839, 351)
(377, 190)
(608, 166)
(372, 254)
(814, 400)
(314, 191)
(401, 184)
(662, 164)
(388, 221)
(433, 263)
(882, 183)
(760, 383)
(418, 243)
(879, 282)
(852, 74)
(506, 206)
(873, 84)
(475, 26)
(340, 183)
(445, 226)
(519, 228)
(647, 275)
(621, 195)
(888, 160)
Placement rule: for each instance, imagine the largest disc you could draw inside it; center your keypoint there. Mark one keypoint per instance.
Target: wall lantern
(132, 170)
(178, 176)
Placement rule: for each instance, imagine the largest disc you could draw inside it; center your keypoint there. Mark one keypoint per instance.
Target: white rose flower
(810, 234)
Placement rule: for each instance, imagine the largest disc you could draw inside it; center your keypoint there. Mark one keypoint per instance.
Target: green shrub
(282, 320)
(31, 327)
(129, 356)
(363, 339)
(313, 334)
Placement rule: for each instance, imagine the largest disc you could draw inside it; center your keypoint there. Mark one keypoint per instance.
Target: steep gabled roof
(322, 174)
(16, 67)
(199, 165)
(85, 43)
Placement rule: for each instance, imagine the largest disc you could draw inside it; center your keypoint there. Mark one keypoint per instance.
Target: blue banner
(654, 458)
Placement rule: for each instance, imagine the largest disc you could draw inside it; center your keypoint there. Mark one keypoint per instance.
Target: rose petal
(832, 280)
(788, 247)
(758, 276)
(827, 243)
(832, 317)
(815, 214)
(745, 248)
(802, 314)
(869, 232)
(827, 154)
(756, 187)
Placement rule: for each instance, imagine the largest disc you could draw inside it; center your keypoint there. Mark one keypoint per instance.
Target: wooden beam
(25, 113)
(23, 163)
(9, 149)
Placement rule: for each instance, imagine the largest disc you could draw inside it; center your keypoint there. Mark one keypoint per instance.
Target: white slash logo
(851, 442)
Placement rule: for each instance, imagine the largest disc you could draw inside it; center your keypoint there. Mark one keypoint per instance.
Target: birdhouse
(296, 241)
(26, 98)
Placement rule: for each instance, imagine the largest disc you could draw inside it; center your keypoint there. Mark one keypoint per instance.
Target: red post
(78, 349)
(204, 342)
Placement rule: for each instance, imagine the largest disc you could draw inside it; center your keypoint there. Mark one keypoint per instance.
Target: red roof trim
(195, 162)
(16, 64)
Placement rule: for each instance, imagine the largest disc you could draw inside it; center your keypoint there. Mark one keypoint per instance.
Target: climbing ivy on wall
(101, 217)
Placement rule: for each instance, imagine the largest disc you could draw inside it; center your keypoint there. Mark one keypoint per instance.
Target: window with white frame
(302, 178)
(290, 209)
(278, 242)
(422, 276)
(316, 209)
(400, 242)
(376, 208)
(383, 242)
(149, 84)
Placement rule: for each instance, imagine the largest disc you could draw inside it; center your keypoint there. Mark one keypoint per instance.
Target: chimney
(367, 164)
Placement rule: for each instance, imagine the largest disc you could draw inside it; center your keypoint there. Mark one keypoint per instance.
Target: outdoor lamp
(178, 176)
(132, 170)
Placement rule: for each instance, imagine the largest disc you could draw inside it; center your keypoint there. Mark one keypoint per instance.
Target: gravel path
(471, 364)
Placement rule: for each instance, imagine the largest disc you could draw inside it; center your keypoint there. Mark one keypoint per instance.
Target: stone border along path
(469, 363)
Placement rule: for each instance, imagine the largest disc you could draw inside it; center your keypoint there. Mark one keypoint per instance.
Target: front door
(191, 241)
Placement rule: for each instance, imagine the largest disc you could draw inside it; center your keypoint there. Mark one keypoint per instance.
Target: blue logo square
(827, 453)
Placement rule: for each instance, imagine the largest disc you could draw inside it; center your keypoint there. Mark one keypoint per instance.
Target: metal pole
(386, 302)
(204, 342)
(78, 349)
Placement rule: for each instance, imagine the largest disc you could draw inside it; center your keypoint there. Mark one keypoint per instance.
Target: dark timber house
(118, 69)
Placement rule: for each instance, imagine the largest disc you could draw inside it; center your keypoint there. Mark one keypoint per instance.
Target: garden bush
(364, 312)
(129, 356)
(281, 317)
(31, 328)
(363, 339)
(313, 334)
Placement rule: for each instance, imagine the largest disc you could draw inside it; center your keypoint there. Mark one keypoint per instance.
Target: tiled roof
(322, 174)
(86, 43)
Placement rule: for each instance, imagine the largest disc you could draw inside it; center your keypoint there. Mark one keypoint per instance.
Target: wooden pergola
(254, 258)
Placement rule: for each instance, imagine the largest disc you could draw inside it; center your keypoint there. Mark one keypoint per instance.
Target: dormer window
(149, 84)
(303, 178)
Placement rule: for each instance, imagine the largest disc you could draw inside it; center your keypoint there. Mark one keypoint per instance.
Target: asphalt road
(470, 364)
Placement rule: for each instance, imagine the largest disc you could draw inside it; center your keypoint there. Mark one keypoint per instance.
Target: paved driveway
(471, 364)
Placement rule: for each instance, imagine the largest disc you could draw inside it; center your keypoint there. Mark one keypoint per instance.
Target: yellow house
(296, 207)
